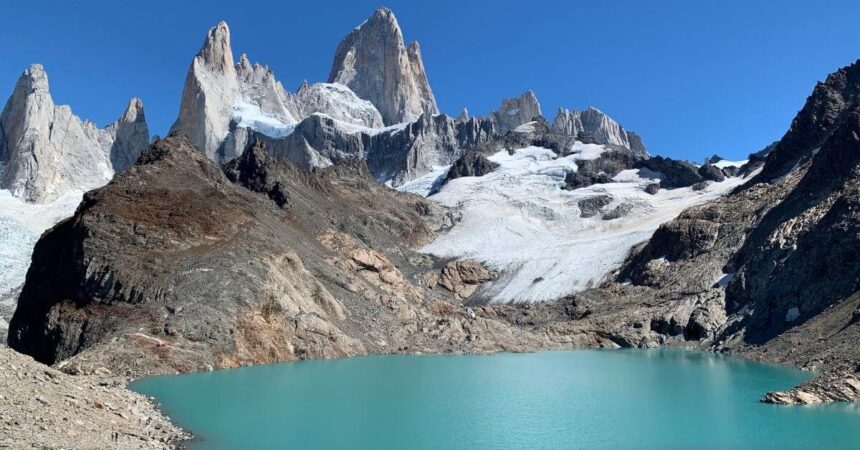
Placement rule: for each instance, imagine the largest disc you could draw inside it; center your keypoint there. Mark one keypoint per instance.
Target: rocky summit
(376, 64)
(47, 151)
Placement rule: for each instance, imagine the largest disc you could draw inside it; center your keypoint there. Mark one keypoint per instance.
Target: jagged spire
(514, 112)
(216, 52)
(33, 80)
(464, 115)
(398, 87)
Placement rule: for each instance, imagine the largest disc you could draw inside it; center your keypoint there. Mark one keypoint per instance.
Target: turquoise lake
(565, 400)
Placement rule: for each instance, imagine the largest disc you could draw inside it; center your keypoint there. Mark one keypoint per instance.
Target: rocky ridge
(222, 101)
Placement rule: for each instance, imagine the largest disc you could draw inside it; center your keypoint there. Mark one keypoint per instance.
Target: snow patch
(724, 280)
(722, 164)
(427, 183)
(528, 127)
(355, 128)
(249, 115)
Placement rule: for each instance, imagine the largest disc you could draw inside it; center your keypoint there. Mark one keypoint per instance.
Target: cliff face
(375, 63)
(46, 151)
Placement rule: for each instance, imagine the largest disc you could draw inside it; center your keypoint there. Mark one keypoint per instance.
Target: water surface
(573, 399)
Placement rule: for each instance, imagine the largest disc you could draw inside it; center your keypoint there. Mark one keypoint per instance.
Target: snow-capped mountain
(46, 151)
(222, 101)
(48, 158)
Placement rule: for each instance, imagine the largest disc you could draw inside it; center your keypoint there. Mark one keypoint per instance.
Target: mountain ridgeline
(272, 225)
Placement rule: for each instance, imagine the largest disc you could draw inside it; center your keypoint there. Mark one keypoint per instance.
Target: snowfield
(519, 221)
(249, 115)
(21, 224)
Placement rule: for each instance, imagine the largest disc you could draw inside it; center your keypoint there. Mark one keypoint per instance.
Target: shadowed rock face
(821, 115)
(396, 154)
(675, 173)
(173, 267)
(471, 164)
(374, 62)
(132, 136)
(47, 151)
(800, 259)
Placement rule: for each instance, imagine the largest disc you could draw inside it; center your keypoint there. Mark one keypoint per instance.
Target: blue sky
(692, 77)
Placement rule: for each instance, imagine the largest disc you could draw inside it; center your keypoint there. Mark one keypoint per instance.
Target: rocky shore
(41, 407)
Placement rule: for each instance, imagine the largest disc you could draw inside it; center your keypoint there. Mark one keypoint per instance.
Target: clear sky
(692, 77)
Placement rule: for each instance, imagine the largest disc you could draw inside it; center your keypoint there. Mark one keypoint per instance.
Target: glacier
(520, 222)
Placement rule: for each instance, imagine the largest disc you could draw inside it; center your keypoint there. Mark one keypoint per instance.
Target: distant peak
(134, 111)
(384, 12)
(34, 79)
(244, 62)
(216, 51)
(464, 115)
(383, 16)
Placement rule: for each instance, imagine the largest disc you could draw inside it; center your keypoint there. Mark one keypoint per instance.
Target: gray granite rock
(46, 151)
(593, 126)
(374, 62)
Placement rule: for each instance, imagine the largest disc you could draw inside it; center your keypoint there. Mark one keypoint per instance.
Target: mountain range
(352, 217)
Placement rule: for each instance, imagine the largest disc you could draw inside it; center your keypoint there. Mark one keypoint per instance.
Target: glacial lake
(566, 400)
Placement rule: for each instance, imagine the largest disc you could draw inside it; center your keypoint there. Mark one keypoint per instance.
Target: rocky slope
(378, 66)
(174, 267)
(766, 272)
(46, 151)
(41, 407)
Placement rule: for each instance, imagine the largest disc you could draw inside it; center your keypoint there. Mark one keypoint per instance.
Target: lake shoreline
(714, 365)
(191, 436)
